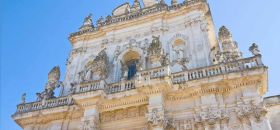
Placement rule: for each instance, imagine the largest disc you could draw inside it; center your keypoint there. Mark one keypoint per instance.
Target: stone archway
(129, 62)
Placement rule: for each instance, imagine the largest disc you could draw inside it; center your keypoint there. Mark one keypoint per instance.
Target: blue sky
(34, 39)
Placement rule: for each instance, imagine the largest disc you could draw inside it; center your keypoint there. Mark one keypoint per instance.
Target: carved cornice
(151, 11)
(221, 87)
(108, 105)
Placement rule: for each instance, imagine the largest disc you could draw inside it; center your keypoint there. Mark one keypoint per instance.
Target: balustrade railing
(34, 106)
(144, 77)
(223, 68)
(91, 86)
(120, 86)
(153, 73)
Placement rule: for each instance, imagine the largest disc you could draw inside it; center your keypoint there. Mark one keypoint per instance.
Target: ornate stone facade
(157, 67)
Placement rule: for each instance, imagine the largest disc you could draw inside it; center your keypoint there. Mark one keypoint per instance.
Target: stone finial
(224, 33)
(174, 2)
(136, 5)
(148, 3)
(162, 2)
(254, 49)
(23, 98)
(100, 21)
(88, 23)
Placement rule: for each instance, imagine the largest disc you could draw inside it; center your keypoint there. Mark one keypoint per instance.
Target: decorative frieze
(122, 114)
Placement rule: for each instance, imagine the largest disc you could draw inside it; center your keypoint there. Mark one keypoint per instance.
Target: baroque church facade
(156, 67)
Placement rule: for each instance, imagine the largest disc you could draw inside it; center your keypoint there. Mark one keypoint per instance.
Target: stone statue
(96, 69)
(179, 52)
(154, 118)
(87, 24)
(51, 85)
(53, 79)
(124, 69)
(155, 47)
(39, 96)
(23, 97)
(254, 49)
(174, 2)
(100, 21)
(165, 60)
(88, 20)
(183, 63)
(108, 19)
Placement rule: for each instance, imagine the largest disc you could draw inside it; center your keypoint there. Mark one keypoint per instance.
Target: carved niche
(96, 69)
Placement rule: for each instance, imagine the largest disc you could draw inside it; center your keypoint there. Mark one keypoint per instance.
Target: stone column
(156, 116)
(90, 121)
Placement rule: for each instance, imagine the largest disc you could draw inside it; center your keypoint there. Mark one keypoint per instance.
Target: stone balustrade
(120, 86)
(51, 103)
(144, 77)
(235, 66)
(153, 73)
(91, 86)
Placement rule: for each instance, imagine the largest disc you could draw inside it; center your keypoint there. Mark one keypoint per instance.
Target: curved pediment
(122, 9)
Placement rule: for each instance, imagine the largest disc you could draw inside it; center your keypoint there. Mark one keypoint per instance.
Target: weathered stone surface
(181, 76)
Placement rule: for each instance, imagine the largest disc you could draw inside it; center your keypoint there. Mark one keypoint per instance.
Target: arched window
(129, 64)
(132, 69)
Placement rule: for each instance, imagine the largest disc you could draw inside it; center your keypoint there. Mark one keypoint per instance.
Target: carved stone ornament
(155, 47)
(90, 124)
(254, 49)
(136, 6)
(100, 21)
(23, 98)
(252, 110)
(87, 24)
(157, 118)
(156, 53)
(224, 33)
(96, 69)
(51, 85)
(211, 116)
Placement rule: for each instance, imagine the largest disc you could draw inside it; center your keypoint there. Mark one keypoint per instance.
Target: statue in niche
(51, 85)
(254, 49)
